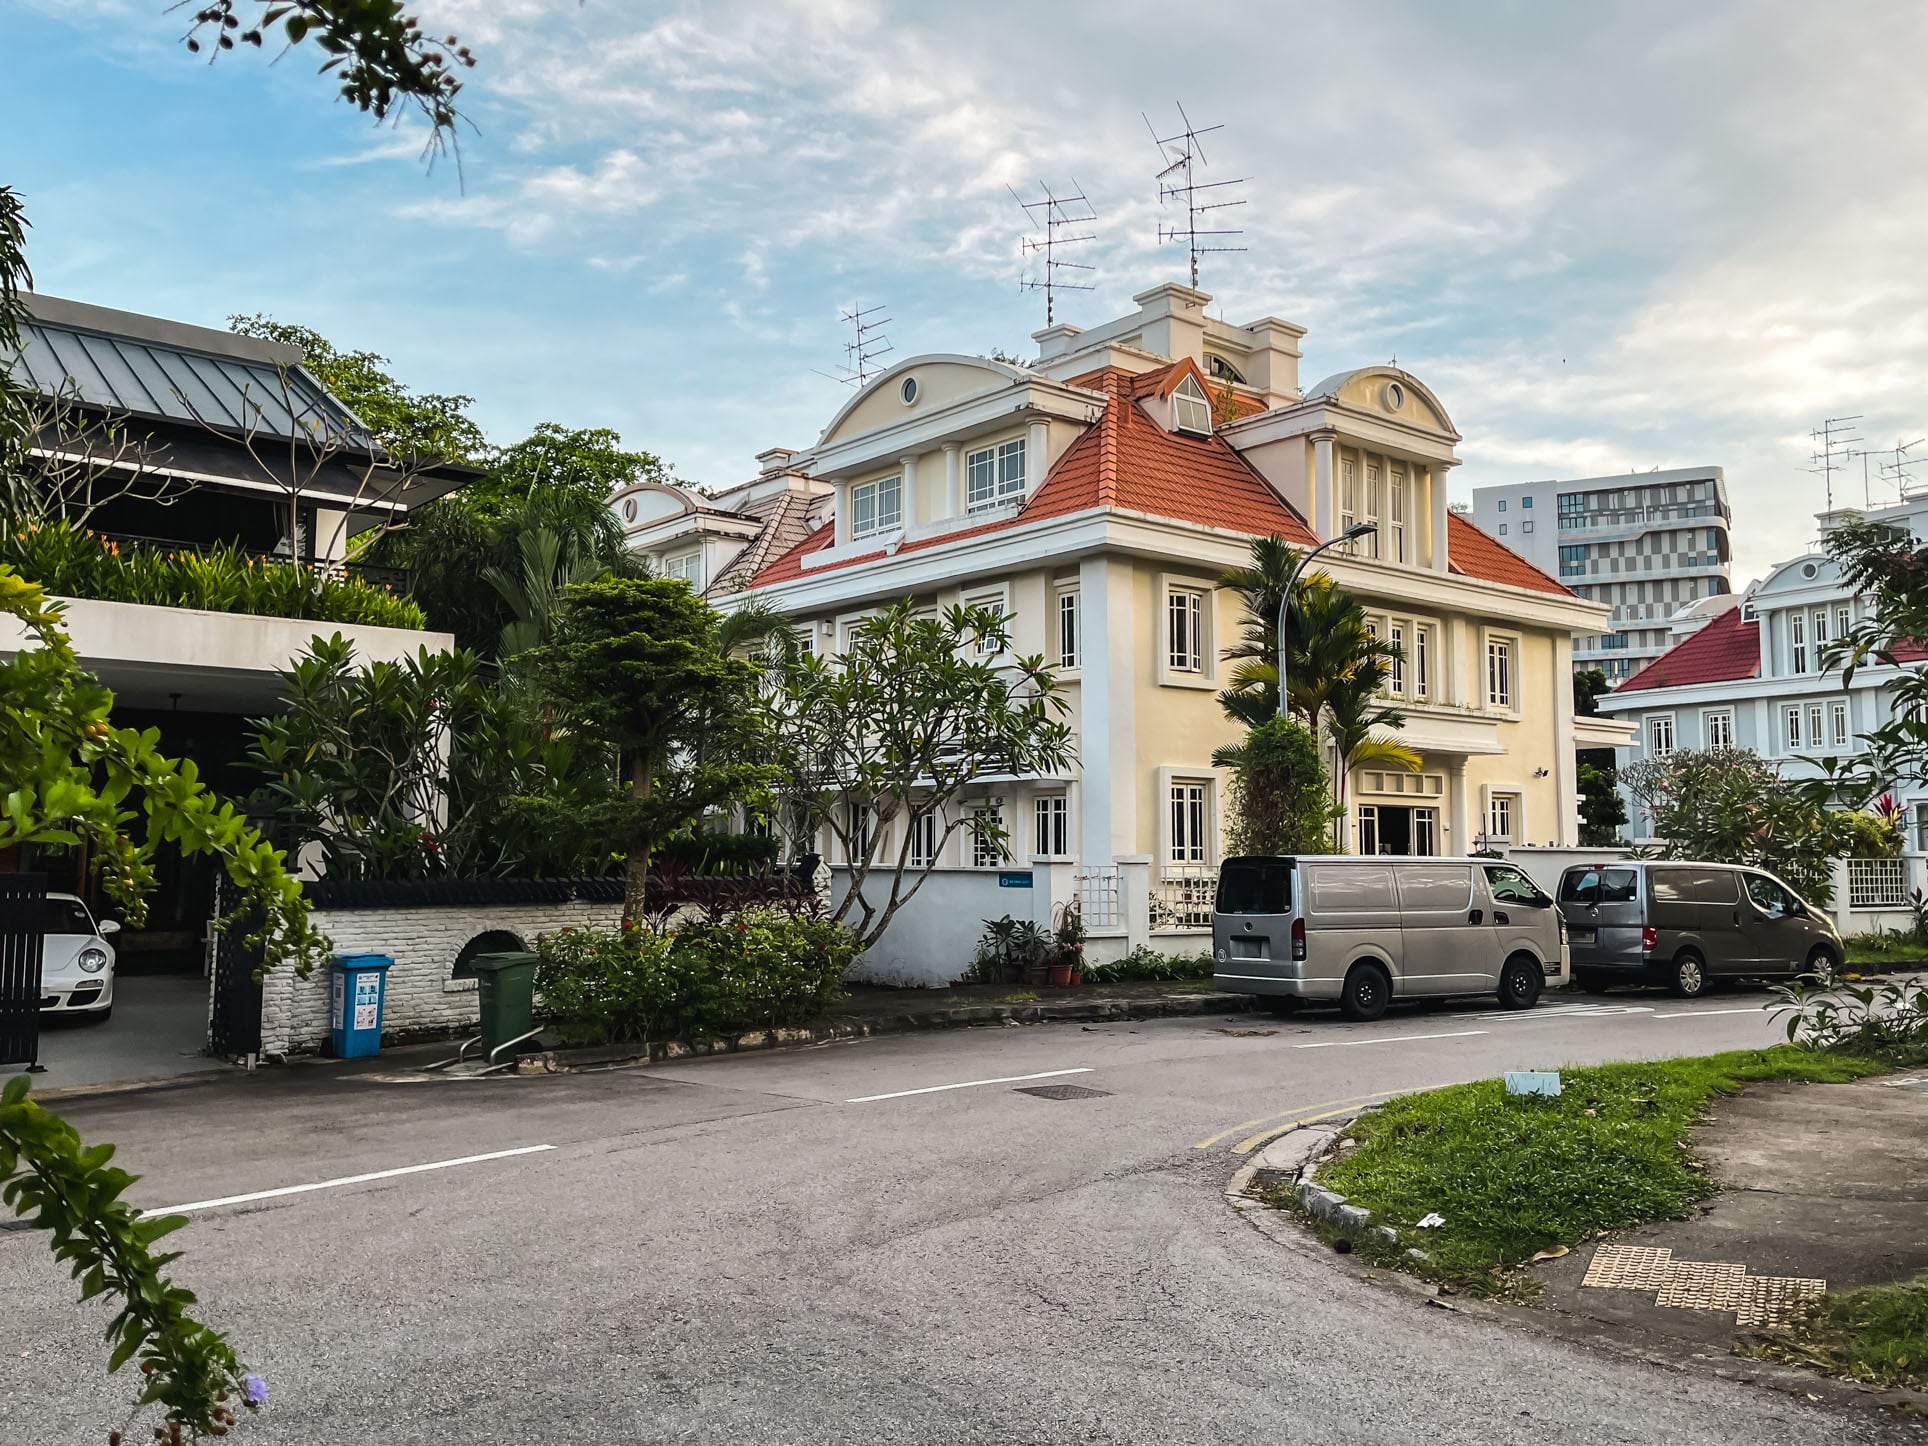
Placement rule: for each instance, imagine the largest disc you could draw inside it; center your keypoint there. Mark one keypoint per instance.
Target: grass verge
(1881, 949)
(1878, 1334)
(1516, 1175)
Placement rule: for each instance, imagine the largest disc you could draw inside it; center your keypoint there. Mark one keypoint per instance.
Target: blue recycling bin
(355, 1015)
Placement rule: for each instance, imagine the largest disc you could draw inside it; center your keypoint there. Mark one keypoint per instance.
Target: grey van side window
(1769, 896)
(1693, 886)
(1510, 886)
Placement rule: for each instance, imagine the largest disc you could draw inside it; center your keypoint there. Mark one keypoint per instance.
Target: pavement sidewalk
(1823, 1188)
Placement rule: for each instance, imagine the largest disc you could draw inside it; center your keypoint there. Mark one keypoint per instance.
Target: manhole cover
(1063, 1092)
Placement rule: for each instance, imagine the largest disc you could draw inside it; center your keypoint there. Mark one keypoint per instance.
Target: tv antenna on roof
(1831, 440)
(866, 344)
(1184, 157)
(1056, 214)
(1898, 471)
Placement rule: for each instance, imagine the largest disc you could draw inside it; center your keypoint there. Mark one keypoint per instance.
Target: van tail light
(1298, 940)
(1649, 940)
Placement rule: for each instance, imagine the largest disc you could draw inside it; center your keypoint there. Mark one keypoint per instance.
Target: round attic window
(907, 390)
(1394, 397)
(629, 509)
(1808, 569)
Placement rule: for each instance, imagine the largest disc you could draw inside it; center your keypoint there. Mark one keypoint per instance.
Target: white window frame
(985, 854)
(1843, 620)
(998, 599)
(1797, 643)
(860, 828)
(1816, 717)
(1839, 733)
(1425, 654)
(1398, 503)
(1501, 699)
(1791, 727)
(1051, 825)
(1348, 496)
(1375, 480)
(686, 567)
(1191, 408)
(1513, 804)
(1660, 734)
(923, 839)
(1070, 627)
(1005, 472)
(1396, 632)
(1173, 672)
(1724, 717)
(873, 494)
(1188, 842)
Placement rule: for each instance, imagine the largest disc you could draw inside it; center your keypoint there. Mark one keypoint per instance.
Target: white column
(1436, 489)
(1461, 840)
(909, 464)
(1324, 518)
(1108, 743)
(842, 513)
(1035, 458)
(1566, 764)
(953, 500)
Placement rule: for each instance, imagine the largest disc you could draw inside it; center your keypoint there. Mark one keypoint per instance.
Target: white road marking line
(967, 1084)
(345, 1180)
(1709, 1013)
(1389, 1039)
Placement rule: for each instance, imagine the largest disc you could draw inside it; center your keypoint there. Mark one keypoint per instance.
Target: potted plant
(1067, 946)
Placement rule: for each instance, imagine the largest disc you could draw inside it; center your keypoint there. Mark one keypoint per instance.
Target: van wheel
(1823, 963)
(1689, 980)
(1520, 983)
(1367, 992)
(1282, 1005)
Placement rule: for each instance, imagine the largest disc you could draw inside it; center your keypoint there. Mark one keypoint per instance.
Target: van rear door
(1252, 920)
(1603, 913)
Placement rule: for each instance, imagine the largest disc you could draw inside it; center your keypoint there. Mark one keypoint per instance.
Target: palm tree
(1353, 710)
(533, 592)
(1327, 637)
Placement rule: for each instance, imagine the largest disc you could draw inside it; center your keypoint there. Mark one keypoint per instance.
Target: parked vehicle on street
(76, 961)
(1366, 931)
(1689, 925)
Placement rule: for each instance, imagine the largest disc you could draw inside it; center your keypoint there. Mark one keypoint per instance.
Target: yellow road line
(1226, 1134)
(1251, 1142)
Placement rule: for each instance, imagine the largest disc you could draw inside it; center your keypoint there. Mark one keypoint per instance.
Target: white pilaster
(953, 498)
(1438, 553)
(1108, 743)
(1324, 518)
(1566, 764)
(1035, 459)
(841, 515)
(909, 464)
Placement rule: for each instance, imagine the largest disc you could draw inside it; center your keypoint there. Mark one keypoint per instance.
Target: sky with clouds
(1611, 237)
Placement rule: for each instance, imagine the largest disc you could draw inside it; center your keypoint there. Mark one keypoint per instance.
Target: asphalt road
(835, 1245)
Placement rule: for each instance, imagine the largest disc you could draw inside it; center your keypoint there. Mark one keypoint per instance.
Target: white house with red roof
(1097, 494)
(1747, 672)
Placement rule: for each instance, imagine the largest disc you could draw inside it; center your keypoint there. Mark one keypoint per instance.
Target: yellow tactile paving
(1756, 1300)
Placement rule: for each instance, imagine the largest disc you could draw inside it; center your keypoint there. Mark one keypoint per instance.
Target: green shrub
(718, 853)
(760, 969)
(1280, 799)
(1145, 963)
(73, 562)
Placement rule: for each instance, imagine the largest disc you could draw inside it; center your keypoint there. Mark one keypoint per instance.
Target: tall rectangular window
(1719, 730)
(1660, 736)
(686, 568)
(1052, 835)
(923, 839)
(1820, 635)
(989, 601)
(987, 849)
(1184, 629)
(1370, 543)
(1396, 635)
(1499, 673)
(1188, 823)
(1348, 493)
(1396, 515)
(1797, 640)
(1501, 814)
(1423, 660)
(1791, 729)
(1837, 725)
(1843, 621)
(1068, 628)
(876, 506)
(1814, 725)
(1426, 826)
(996, 474)
(858, 830)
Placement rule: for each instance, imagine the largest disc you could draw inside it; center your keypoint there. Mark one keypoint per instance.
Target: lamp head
(1359, 529)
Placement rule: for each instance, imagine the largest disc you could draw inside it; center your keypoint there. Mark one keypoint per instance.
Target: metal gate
(234, 1014)
(23, 929)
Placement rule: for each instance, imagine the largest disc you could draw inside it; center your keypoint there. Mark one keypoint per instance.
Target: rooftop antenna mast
(1056, 215)
(1898, 471)
(1184, 157)
(1831, 442)
(866, 344)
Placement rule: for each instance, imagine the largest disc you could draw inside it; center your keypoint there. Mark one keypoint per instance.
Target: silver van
(1688, 925)
(1367, 931)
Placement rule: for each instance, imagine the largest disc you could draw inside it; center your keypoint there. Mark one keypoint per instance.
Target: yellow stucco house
(1096, 496)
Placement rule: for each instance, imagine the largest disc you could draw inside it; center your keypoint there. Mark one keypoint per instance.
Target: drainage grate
(1063, 1092)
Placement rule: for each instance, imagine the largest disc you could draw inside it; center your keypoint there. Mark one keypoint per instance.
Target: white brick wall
(422, 999)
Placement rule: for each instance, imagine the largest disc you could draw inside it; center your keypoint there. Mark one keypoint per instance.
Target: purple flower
(254, 1390)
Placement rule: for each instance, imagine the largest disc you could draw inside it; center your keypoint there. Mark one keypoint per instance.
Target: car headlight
(92, 960)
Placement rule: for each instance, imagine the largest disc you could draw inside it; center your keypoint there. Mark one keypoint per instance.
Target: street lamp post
(1351, 534)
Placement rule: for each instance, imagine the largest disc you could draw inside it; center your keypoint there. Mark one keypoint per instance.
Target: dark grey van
(1687, 925)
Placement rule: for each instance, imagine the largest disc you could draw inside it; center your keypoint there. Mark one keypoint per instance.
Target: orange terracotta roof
(1472, 553)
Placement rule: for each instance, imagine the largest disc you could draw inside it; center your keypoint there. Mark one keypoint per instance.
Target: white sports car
(76, 961)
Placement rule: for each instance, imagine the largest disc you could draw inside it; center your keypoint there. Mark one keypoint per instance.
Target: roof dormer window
(1191, 412)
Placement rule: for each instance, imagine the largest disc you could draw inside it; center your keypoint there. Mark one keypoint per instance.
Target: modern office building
(1647, 543)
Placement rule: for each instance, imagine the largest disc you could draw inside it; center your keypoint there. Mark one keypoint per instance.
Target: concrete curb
(837, 1031)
